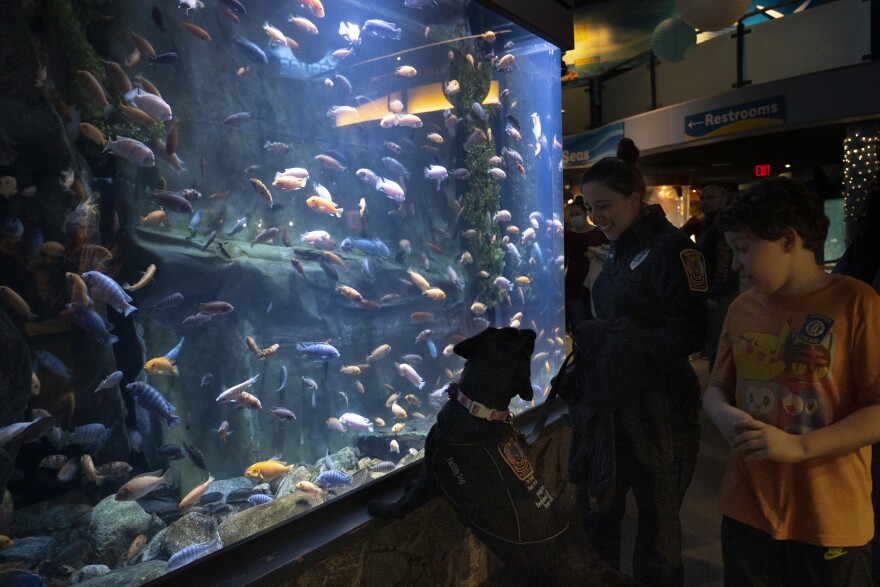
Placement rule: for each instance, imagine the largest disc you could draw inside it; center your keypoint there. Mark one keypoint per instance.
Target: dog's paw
(380, 509)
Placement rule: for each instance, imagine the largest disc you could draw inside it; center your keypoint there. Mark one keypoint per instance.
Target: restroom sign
(735, 118)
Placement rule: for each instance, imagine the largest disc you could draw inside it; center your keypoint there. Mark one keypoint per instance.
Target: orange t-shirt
(801, 363)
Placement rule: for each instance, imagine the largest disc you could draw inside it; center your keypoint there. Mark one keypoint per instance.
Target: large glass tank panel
(239, 243)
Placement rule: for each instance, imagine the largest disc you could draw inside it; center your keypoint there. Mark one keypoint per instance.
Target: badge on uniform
(695, 268)
(815, 327)
(637, 260)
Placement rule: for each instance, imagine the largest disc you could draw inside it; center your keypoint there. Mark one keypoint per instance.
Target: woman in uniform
(650, 301)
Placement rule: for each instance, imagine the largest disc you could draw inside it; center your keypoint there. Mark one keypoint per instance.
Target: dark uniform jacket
(723, 280)
(651, 304)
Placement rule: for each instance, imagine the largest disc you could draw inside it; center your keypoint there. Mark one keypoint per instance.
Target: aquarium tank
(239, 241)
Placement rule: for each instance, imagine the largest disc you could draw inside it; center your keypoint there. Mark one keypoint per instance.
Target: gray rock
(89, 572)
(153, 549)
(224, 486)
(255, 519)
(344, 460)
(30, 550)
(46, 517)
(114, 525)
(188, 530)
(128, 576)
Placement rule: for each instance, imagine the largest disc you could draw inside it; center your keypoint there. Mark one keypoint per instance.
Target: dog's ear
(522, 346)
(467, 348)
(527, 340)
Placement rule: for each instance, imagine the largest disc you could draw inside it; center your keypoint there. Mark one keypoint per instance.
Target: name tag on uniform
(637, 260)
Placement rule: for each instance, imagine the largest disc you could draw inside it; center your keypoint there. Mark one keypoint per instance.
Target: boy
(796, 391)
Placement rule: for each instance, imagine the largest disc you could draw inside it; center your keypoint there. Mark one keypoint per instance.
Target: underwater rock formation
(114, 525)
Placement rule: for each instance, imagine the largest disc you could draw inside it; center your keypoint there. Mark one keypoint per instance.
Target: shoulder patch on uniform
(515, 458)
(695, 268)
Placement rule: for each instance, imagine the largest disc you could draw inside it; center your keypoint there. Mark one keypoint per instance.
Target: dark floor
(700, 518)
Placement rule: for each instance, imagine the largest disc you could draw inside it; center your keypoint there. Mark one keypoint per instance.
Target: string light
(861, 170)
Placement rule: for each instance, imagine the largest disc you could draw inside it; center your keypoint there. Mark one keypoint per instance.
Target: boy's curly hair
(770, 206)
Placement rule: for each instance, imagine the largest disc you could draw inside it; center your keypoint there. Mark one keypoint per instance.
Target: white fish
(235, 391)
(407, 372)
(131, 150)
(314, 236)
(110, 381)
(350, 32)
(152, 105)
(356, 422)
(391, 189)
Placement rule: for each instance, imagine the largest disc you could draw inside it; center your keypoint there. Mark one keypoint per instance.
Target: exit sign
(761, 170)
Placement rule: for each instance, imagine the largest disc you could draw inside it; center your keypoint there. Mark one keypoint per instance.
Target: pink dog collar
(476, 408)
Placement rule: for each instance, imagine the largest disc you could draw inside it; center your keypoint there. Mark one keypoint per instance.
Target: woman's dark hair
(579, 203)
(770, 206)
(619, 173)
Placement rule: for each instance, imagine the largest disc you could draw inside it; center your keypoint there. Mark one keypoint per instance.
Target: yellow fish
(266, 470)
(161, 366)
(319, 204)
(16, 302)
(434, 293)
(5, 542)
(287, 183)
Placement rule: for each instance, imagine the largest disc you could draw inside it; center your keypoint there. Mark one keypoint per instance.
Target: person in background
(650, 300)
(862, 261)
(694, 225)
(723, 281)
(796, 392)
(577, 240)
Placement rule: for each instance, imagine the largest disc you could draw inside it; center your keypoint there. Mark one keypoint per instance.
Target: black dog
(473, 457)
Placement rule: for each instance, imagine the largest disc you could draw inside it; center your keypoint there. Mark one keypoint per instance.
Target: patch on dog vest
(695, 268)
(515, 458)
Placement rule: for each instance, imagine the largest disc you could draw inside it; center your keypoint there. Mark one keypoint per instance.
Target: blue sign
(583, 149)
(735, 118)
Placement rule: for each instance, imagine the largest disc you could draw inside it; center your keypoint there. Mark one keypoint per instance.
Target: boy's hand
(758, 440)
(727, 418)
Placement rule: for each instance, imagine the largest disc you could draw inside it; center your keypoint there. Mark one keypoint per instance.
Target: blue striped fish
(334, 478)
(187, 555)
(149, 398)
(107, 290)
(259, 498)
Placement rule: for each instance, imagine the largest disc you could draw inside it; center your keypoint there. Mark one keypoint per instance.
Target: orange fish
(249, 401)
(252, 345)
(319, 204)
(270, 351)
(349, 292)
(314, 7)
(144, 45)
(287, 183)
(198, 31)
(193, 497)
(92, 133)
(137, 115)
(266, 470)
(161, 366)
(154, 218)
(136, 546)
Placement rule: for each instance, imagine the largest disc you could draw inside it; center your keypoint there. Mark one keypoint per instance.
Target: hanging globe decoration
(711, 15)
(673, 40)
